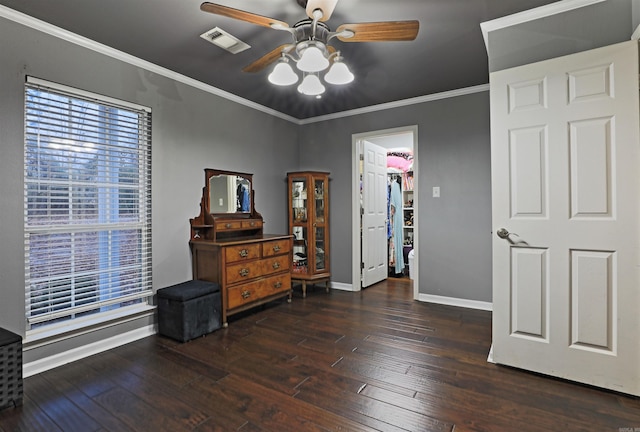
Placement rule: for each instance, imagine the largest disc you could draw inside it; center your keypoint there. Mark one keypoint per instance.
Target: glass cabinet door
(299, 193)
(319, 224)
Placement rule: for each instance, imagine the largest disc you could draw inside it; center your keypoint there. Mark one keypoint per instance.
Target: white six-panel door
(374, 218)
(566, 198)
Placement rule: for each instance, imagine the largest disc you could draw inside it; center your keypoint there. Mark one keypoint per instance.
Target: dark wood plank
(62, 411)
(375, 360)
(29, 417)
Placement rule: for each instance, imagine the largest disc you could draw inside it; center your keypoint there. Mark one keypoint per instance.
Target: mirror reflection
(229, 194)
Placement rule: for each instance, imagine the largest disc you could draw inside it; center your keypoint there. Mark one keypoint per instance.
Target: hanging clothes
(242, 200)
(396, 226)
(389, 229)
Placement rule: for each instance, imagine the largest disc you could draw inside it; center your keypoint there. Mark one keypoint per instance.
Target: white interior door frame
(356, 150)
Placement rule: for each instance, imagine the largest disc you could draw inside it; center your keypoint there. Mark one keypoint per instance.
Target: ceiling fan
(310, 49)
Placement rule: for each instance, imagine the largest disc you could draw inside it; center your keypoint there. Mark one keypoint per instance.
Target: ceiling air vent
(224, 40)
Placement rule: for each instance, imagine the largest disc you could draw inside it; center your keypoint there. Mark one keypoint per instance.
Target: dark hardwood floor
(369, 361)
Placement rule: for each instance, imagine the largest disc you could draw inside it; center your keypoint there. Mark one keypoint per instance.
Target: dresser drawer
(252, 223)
(228, 225)
(276, 247)
(241, 253)
(256, 290)
(275, 264)
(243, 271)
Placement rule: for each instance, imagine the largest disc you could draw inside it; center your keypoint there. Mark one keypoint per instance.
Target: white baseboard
(44, 364)
(341, 286)
(452, 301)
(490, 356)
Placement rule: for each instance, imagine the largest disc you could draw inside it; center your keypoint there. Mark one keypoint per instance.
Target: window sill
(79, 326)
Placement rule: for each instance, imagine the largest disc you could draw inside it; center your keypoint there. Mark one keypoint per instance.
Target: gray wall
(453, 153)
(581, 29)
(192, 130)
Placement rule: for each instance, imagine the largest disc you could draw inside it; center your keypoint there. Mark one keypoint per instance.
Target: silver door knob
(503, 233)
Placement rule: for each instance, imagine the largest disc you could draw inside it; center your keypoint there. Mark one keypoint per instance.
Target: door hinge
(361, 266)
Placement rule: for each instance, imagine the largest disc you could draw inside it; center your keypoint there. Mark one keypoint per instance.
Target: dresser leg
(326, 286)
(304, 289)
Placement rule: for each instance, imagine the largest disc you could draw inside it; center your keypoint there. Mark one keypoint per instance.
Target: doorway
(392, 139)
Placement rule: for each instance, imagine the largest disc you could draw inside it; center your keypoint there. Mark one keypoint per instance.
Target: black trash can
(189, 309)
(10, 369)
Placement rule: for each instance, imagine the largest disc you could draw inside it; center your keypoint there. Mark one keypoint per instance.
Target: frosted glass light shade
(283, 75)
(339, 74)
(311, 86)
(312, 60)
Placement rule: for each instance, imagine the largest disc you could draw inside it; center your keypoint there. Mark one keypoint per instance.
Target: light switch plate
(436, 191)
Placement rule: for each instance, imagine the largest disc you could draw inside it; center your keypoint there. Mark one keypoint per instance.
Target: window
(87, 180)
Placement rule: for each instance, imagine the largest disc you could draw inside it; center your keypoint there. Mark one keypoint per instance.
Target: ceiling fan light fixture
(312, 58)
(339, 73)
(311, 86)
(283, 74)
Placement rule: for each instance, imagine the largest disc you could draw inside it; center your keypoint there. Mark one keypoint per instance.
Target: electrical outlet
(221, 202)
(436, 191)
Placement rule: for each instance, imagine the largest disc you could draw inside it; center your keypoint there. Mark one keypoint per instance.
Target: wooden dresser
(228, 245)
(250, 271)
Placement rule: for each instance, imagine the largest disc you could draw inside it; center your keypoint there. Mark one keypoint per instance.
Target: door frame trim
(356, 149)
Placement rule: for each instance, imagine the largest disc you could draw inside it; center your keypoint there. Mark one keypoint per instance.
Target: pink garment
(399, 163)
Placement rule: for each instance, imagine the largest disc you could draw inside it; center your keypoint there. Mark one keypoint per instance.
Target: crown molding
(50, 29)
(76, 39)
(531, 15)
(397, 104)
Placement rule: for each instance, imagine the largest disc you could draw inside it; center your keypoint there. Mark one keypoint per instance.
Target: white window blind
(87, 180)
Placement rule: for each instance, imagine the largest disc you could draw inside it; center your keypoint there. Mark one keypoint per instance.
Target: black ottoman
(10, 369)
(189, 309)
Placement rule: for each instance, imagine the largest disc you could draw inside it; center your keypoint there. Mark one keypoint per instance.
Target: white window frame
(84, 216)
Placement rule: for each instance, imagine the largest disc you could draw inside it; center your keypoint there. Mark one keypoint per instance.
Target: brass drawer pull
(244, 272)
(227, 225)
(276, 248)
(276, 265)
(246, 294)
(252, 224)
(277, 284)
(244, 253)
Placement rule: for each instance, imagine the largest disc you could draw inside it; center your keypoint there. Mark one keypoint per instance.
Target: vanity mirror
(227, 207)
(229, 192)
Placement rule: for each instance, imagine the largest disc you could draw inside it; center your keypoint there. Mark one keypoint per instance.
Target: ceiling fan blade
(242, 15)
(266, 59)
(326, 6)
(380, 31)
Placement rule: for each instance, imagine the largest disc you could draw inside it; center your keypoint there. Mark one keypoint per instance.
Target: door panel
(566, 184)
(591, 168)
(529, 291)
(528, 153)
(592, 293)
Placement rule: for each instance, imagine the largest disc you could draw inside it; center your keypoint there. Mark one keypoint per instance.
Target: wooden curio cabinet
(309, 225)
